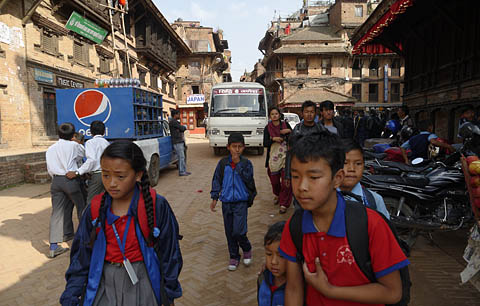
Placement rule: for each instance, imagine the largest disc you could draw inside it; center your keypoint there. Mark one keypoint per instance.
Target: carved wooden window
(326, 66)
(49, 43)
(125, 71)
(373, 68)
(154, 81)
(80, 52)
(396, 67)
(395, 92)
(373, 92)
(357, 69)
(194, 68)
(357, 91)
(164, 87)
(142, 74)
(171, 87)
(104, 65)
(302, 65)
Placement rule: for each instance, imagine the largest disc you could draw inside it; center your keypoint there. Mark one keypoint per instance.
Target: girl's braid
(147, 198)
(93, 233)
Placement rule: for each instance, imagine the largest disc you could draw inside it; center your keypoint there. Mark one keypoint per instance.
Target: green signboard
(86, 28)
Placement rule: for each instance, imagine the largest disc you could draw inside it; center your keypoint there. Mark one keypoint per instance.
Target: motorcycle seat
(404, 167)
(409, 180)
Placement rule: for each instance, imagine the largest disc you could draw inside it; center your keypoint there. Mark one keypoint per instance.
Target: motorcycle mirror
(417, 161)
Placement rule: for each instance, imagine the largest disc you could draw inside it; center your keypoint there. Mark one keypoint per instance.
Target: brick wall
(12, 168)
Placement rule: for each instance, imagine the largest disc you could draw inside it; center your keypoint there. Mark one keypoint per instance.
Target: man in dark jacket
(178, 141)
(334, 125)
(348, 125)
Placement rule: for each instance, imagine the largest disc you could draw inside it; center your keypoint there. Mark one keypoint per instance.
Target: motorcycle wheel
(407, 234)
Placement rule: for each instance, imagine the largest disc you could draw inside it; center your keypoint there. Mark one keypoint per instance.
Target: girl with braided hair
(126, 249)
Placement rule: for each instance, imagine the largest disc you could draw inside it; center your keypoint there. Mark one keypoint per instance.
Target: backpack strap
(370, 198)
(296, 233)
(356, 225)
(223, 163)
(249, 184)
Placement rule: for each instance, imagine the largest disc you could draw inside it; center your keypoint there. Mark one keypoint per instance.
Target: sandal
(283, 209)
(275, 200)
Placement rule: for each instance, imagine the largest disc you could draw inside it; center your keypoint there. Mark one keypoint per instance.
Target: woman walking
(275, 139)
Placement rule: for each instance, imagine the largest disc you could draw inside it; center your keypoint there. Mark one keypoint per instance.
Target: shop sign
(68, 83)
(43, 76)
(238, 91)
(86, 28)
(196, 99)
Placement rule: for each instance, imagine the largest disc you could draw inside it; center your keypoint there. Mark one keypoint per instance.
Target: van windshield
(238, 103)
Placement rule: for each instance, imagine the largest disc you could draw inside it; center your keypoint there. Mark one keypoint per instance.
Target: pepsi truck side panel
(128, 113)
(112, 106)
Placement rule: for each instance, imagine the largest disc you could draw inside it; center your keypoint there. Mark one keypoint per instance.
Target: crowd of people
(126, 248)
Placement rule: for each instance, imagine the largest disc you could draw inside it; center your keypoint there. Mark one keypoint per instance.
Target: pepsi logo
(92, 105)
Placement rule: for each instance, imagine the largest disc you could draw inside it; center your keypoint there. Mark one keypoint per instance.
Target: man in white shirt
(93, 149)
(62, 158)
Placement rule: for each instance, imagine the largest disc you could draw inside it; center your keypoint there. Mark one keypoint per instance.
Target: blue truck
(128, 113)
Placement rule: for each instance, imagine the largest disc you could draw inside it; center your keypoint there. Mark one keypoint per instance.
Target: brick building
(314, 61)
(439, 42)
(209, 64)
(42, 55)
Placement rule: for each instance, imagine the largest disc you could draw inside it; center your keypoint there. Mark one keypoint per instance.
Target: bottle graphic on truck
(237, 107)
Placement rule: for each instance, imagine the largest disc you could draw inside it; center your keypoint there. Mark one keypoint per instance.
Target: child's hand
(277, 139)
(213, 205)
(318, 279)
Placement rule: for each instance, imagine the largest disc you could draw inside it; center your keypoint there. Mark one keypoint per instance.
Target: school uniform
(268, 294)
(419, 144)
(335, 256)
(100, 268)
(381, 207)
(93, 151)
(233, 194)
(61, 158)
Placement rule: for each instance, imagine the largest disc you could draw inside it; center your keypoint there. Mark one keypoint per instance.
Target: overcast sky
(243, 22)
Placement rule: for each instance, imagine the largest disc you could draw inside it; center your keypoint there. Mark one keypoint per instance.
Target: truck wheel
(154, 170)
(217, 151)
(261, 150)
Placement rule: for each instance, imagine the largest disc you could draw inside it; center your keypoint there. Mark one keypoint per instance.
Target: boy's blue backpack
(249, 184)
(356, 223)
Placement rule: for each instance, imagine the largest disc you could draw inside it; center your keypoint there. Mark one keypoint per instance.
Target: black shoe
(59, 250)
(68, 237)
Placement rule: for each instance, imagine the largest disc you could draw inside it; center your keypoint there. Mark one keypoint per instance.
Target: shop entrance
(50, 111)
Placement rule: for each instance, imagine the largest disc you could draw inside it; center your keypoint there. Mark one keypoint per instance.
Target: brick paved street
(28, 277)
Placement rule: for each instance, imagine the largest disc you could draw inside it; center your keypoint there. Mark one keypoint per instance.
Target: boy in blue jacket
(271, 283)
(232, 176)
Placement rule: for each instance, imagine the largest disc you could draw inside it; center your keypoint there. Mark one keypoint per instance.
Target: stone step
(41, 177)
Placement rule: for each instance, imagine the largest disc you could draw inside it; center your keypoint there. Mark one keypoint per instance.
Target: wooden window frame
(394, 96)
(361, 12)
(142, 76)
(373, 97)
(302, 69)
(357, 72)
(327, 69)
(153, 81)
(358, 95)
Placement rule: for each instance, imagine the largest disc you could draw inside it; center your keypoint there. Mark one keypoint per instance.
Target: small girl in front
(126, 249)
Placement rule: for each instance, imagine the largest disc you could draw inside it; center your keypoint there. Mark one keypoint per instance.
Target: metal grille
(242, 132)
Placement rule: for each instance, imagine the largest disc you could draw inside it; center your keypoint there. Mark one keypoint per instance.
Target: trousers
(66, 194)
(235, 223)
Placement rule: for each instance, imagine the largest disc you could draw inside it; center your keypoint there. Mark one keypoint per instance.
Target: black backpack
(249, 184)
(356, 223)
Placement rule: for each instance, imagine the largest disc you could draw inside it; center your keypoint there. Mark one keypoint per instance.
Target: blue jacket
(232, 189)
(86, 264)
(265, 296)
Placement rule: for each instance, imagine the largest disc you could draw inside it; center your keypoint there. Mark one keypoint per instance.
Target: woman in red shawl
(275, 140)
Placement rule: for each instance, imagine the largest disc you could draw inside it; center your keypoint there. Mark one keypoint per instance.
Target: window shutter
(77, 52)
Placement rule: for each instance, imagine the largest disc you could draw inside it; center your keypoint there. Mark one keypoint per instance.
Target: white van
(237, 107)
(292, 119)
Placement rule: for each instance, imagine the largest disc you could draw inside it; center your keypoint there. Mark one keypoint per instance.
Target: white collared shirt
(93, 149)
(63, 156)
(381, 208)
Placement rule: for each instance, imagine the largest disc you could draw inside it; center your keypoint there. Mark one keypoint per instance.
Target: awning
(365, 45)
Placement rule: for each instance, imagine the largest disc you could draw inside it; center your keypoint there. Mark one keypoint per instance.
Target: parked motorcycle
(424, 202)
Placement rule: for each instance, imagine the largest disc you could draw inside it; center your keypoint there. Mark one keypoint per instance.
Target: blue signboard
(43, 76)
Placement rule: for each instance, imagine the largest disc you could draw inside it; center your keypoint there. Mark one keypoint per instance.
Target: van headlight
(214, 132)
(260, 131)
